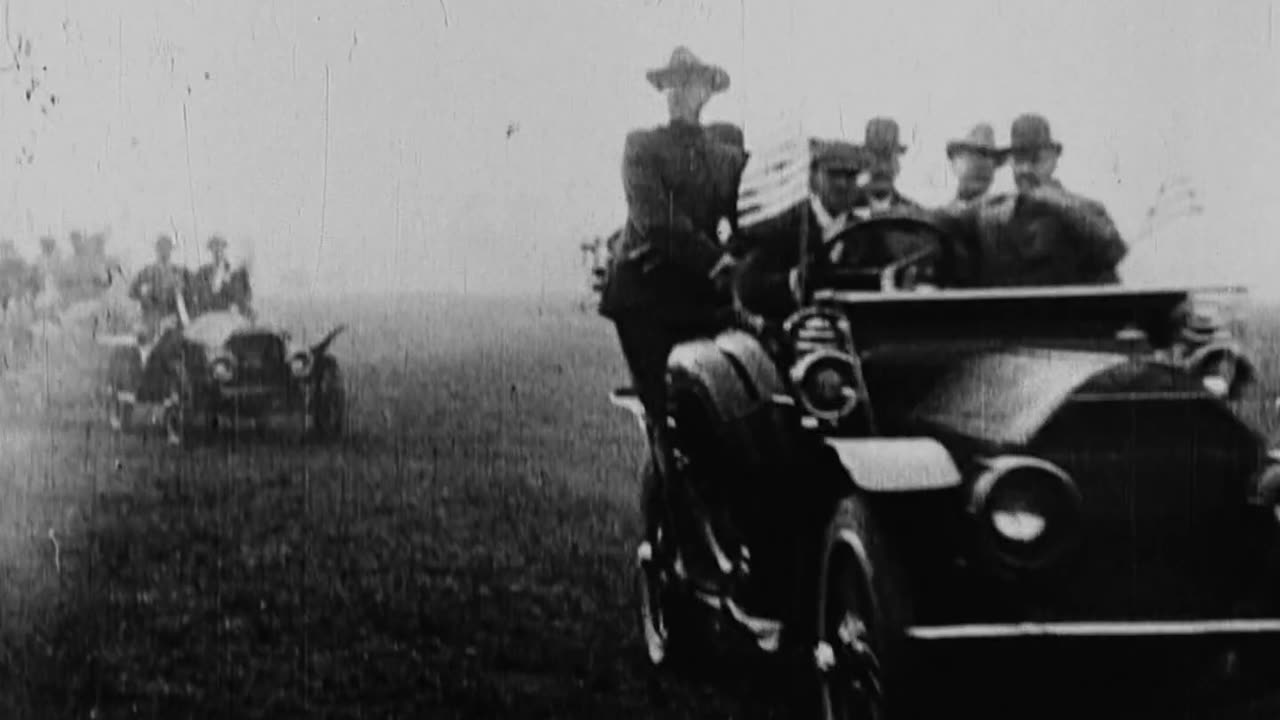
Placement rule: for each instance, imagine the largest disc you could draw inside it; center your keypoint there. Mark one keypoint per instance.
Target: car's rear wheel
(860, 611)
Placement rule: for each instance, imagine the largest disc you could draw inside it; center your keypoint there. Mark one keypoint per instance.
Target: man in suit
(974, 161)
(157, 286)
(217, 286)
(1041, 235)
(882, 144)
(766, 280)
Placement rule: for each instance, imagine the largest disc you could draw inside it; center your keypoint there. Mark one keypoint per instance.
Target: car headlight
(222, 370)
(1028, 510)
(300, 364)
(825, 384)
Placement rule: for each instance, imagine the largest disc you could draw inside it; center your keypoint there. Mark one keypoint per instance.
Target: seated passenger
(1042, 234)
(765, 283)
(220, 288)
(881, 145)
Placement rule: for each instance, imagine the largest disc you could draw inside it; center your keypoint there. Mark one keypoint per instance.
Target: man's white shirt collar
(831, 226)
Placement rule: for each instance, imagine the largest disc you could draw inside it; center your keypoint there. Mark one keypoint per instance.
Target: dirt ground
(465, 552)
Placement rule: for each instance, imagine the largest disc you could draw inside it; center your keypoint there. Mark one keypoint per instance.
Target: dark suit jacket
(235, 290)
(1018, 243)
(679, 181)
(772, 248)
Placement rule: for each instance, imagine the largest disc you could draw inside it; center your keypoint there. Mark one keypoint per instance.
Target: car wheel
(119, 411)
(123, 368)
(859, 621)
(328, 401)
(666, 613)
(177, 408)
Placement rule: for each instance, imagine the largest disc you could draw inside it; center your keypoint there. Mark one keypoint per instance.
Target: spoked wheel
(665, 609)
(177, 408)
(119, 411)
(860, 613)
(845, 656)
(651, 589)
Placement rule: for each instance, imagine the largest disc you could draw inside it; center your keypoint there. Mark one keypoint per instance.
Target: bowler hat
(881, 136)
(981, 139)
(837, 155)
(1031, 132)
(684, 67)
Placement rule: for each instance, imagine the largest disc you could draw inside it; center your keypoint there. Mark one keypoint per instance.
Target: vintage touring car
(890, 472)
(224, 368)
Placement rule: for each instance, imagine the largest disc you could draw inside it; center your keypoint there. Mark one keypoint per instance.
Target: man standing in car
(670, 271)
(669, 275)
(157, 286)
(218, 288)
(883, 147)
(1042, 234)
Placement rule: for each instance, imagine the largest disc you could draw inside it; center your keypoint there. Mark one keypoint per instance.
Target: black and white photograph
(811, 359)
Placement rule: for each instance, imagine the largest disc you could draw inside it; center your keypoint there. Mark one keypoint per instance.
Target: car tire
(327, 406)
(177, 412)
(672, 637)
(861, 612)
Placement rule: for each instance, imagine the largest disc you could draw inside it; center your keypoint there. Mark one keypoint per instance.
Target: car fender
(732, 373)
(899, 464)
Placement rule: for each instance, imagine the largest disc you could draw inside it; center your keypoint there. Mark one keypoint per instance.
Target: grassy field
(466, 552)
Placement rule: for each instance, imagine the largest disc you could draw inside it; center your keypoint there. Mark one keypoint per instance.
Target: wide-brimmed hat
(836, 155)
(685, 67)
(217, 241)
(881, 137)
(1031, 132)
(981, 139)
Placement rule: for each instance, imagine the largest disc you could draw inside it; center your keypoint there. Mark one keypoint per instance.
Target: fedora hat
(981, 139)
(881, 137)
(685, 67)
(1031, 132)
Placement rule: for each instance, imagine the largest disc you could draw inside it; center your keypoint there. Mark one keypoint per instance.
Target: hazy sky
(434, 143)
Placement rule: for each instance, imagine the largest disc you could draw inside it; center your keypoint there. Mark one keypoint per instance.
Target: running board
(1191, 628)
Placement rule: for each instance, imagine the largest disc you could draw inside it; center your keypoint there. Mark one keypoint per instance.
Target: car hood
(213, 329)
(1003, 398)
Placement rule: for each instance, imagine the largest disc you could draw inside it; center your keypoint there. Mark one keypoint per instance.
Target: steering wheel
(888, 253)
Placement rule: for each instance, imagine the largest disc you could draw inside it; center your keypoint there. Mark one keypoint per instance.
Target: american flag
(775, 179)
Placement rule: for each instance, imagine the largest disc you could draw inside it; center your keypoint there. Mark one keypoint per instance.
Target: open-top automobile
(901, 466)
(220, 369)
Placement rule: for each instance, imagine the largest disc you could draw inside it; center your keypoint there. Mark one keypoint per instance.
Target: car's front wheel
(861, 608)
(328, 401)
(178, 407)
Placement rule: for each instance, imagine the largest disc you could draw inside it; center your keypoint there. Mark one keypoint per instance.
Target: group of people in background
(63, 279)
(52, 282)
